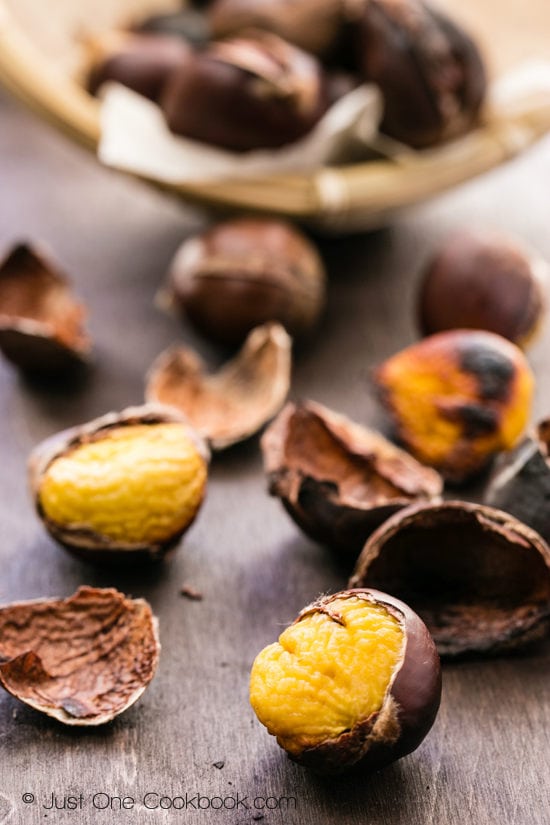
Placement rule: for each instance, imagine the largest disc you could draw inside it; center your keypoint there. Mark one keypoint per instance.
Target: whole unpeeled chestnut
(430, 72)
(246, 272)
(141, 62)
(481, 280)
(353, 683)
(248, 92)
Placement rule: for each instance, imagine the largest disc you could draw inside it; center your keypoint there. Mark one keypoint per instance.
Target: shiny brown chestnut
(483, 280)
(429, 70)
(248, 92)
(245, 272)
(339, 481)
(141, 62)
(477, 576)
(353, 684)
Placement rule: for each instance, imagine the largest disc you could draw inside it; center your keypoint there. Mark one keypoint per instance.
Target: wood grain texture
(484, 761)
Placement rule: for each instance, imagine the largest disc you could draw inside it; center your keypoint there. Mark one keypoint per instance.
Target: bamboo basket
(39, 63)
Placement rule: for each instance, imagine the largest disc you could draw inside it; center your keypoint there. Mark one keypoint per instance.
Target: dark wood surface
(485, 760)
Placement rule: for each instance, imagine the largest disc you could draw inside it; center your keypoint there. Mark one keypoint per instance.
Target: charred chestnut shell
(430, 72)
(249, 92)
(81, 660)
(338, 480)
(410, 702)
(478, 577)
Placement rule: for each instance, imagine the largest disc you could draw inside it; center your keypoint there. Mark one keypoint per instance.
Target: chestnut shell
(409, 707)
(479, 578)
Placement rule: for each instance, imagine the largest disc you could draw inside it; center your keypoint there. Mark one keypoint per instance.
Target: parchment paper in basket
(135, 138)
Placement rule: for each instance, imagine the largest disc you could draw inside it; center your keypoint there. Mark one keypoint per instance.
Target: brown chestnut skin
(409, 707)
(246, 272)
(430, 72)
(482, 280)
(141, 62)
(244, 93)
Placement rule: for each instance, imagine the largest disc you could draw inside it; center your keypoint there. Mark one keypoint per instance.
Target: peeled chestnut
(246, 272)
(354, 683)
(479, 280)
(457, 398)
(249, 92)
(430, 72)
(141, 62)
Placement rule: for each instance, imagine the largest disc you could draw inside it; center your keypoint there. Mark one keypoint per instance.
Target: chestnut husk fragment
(520, 484)
(139, 61)
(232, 404)
(429, 70)
(337, 480)
(409, 708)
(81, 660)
(245, 272)
(478, 577)
(41, 323)
(85, 543)
(255, 91)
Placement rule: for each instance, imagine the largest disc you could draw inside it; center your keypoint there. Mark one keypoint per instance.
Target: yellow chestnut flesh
(328, 672)
(132, 485)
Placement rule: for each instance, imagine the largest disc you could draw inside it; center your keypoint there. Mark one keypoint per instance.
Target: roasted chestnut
(457, 398)
(482, 280)
(478, 577)
(141, 62)
(123, 487)
(354, 683)
(249, 92)
(340, 481)
(246, 272)
(430, 72)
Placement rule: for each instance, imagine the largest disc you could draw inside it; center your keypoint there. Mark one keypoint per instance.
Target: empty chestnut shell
(457, 398)
(354, 683)
(81, 660)
(41, 323)
(482, 280)
(478, 577)
(141, 62)
(124, 487)
(233, 403)
(521, 482)
(246, 93)
(430, 72)
(246, 272)
(337, 480)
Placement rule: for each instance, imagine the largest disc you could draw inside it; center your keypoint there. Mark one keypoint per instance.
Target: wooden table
(193, 732)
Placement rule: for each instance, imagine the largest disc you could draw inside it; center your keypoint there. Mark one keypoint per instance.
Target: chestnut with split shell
(353, 684)
(478, 577)
(232, 404)
(41, 323)
(82, 660)
(122, 488)
(457, 398)
(338, 480)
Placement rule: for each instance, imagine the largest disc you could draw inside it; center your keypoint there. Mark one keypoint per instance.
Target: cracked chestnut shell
(457, 398)
(483, 280)
(338, 480)
(429, 70)
(245, 272)
(141, 62)
(82, 660)
(249, 92)
(41, 322)
(520, 484)
(124, 487)
(477, 576)
(353, 684)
